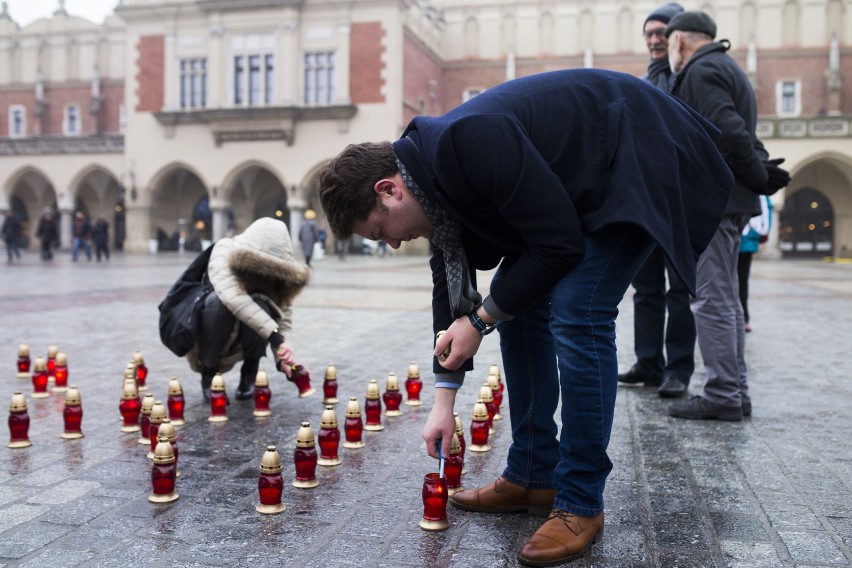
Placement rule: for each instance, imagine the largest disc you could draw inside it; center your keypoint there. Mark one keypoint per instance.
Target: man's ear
(385, 187)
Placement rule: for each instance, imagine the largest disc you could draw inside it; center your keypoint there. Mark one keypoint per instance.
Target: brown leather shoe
(561, 538)
(503, 496)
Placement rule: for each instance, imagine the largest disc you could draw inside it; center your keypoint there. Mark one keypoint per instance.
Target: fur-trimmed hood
(262, 258)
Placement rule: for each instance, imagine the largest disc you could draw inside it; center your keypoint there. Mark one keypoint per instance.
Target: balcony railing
(805, 127)
(40, 145)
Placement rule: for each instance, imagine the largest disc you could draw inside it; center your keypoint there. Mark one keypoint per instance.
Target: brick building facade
(183, 121)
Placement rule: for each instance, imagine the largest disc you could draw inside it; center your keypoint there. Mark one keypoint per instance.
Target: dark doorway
(807, 225)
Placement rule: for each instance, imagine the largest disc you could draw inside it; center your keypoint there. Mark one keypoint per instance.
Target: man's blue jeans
(567, 342)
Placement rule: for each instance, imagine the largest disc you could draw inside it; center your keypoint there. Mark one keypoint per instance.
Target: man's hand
(777, 177)
(440, 425)
(285, 359)
(463, 340)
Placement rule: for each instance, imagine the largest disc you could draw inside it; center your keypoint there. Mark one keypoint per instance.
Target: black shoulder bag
(180, 311)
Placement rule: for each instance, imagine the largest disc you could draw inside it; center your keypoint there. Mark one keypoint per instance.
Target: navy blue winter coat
(533, 164)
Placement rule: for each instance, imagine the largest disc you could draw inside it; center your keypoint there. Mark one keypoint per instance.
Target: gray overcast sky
(24, 12)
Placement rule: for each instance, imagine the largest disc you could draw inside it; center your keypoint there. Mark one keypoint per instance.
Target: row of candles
(156, 425)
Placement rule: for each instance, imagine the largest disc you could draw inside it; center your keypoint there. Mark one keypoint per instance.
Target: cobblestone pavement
(774, 490)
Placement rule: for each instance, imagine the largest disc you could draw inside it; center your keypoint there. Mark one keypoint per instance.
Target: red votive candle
(175, 403)
(434, 503)
(130, 407)
(19, 422)
(353, 427)
(392, 397)
(270, 484)
(305, 458)
(72, 414)
(328, 438)
(262, 394)
(329, 385)
(413, 385)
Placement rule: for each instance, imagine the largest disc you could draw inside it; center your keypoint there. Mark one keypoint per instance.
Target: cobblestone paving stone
(772, 491)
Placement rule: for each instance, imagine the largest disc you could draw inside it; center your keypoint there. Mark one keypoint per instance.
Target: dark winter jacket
(100, 233)
(531, 165)
(12, 230)
(660, 74)
(48, 231)
(713, 84)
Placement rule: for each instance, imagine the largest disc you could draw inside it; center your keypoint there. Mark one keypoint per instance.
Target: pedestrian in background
(255, 278)
(712, 83)
(308, 234)
(12, 232)
(82, 234)
(552, 178)
(672, 370)
(100, 238)
(47, 233)
(755, 233)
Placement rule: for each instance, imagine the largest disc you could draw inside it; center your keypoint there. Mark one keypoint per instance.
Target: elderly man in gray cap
(713, 84)
(672, 370)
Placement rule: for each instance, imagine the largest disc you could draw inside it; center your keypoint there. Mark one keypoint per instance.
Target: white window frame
(14, 109)
(312, 74)
(192, 83)
(66, 126)
(797, 100)
(471, 92)
(243, 48)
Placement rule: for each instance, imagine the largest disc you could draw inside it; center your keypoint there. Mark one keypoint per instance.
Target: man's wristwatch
(479, 325)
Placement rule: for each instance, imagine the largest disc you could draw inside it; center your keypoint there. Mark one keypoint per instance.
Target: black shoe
(244, 393)
(702, 409)
(672, 388)
(634, 378)
(747, 408)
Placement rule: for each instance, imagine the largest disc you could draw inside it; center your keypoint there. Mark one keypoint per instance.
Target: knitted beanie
(664, 13)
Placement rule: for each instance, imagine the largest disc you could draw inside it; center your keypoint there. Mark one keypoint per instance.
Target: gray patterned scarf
(446, 235)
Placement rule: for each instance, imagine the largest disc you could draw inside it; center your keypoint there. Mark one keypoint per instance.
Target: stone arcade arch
(180, 213)
(252, 191)
(815, 218)
(97, 192)
(27, 192)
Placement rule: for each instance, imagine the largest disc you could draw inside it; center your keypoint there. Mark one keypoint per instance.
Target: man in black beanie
(712, 83)
(670, 371)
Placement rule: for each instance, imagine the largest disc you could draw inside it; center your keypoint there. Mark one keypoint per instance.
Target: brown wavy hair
(346, 184)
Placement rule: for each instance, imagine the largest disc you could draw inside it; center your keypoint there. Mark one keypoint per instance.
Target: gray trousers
(719, 316)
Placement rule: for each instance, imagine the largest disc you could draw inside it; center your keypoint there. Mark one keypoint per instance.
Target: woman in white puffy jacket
(255, 278)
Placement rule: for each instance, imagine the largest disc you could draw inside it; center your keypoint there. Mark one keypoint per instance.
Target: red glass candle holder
(175, 403)
(19, 422)
(497, 395)
(163, 474)
(305, 458)
(39, 379)
(270, 484)
(353, 427)
(155, 419)
(329, 438)
(130, 408)
(373, 408)
(460, 435)
(23, 361)
(167, 430)
(141, 370)
(262, 394)
(434, 503)
(52, 352)
(329, 385)
(218, 400)
(479, 429)
(145, 419)
(453, 466)
(72, 415)
(302, 378)
(413, 386)
(60, 374)
(487, 398)
(392, 397)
